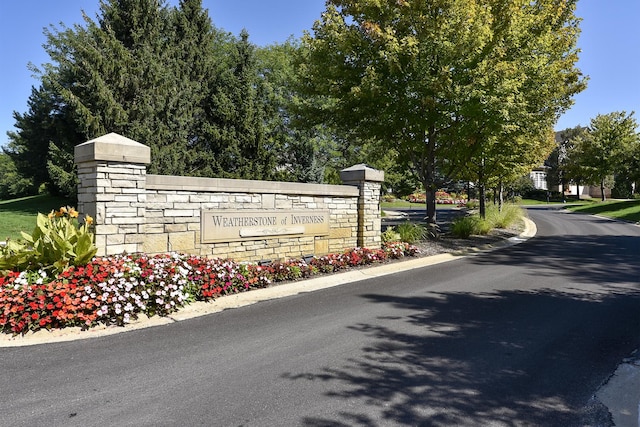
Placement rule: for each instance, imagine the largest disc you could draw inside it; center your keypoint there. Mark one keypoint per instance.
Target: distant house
(539, 177)
(587, 191)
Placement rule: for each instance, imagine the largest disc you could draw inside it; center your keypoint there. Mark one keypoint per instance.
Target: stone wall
(264, 220)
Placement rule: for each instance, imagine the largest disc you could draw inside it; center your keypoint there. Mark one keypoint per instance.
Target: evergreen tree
(197, 46)
(235, 116)
(13, 185)
(165, 77)
(28, 146)
(46, 126)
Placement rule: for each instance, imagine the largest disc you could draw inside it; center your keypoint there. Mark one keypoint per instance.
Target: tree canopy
(449, 84)
(461, 89)
(202, 99)
(559, 170)
(607, 148)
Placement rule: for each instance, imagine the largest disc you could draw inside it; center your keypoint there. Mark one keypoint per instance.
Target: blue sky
(610, 44)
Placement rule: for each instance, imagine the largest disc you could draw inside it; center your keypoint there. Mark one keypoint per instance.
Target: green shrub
(484, 227)
(410, 232)
(509, 215)
(390, 235)
(466, 226)
(472, 204)
(463, 227)
(56, 242)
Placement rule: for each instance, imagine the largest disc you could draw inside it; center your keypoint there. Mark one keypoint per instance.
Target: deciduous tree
(444, 82)
(558, 162)
(606, 147)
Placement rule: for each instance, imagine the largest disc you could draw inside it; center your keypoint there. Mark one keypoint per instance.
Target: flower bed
(442, 198)
(115, 290)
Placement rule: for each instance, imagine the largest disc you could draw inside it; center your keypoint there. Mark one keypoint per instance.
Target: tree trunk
(482, 201)
(578, 188)
(430, 175)
(500, 195)
(431, 205)
(603, 197)
(481, 191)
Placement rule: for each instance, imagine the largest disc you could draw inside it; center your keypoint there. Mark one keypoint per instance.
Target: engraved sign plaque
(230, 226)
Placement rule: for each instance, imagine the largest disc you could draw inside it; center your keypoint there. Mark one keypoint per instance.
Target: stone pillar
(112, 190)
(369, 181)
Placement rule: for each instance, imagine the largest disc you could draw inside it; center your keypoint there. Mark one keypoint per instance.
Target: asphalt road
(520, 336)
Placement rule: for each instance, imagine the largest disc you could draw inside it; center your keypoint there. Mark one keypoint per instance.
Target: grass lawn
(530, 202)
(401, 204)
(625, 210)
(20, 214)
(404, 204)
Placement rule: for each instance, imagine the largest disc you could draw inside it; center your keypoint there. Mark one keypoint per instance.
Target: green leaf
(27, 237)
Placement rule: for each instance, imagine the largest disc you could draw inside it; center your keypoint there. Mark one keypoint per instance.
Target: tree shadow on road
(504, 358)
(465, 359)
(585, 259)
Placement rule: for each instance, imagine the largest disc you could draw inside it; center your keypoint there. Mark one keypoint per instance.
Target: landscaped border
(116, 290)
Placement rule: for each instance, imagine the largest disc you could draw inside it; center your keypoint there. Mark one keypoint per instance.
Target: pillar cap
(361, 172)
(112, 147)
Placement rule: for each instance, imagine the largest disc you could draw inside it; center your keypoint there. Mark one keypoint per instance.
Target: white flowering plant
(116, 290)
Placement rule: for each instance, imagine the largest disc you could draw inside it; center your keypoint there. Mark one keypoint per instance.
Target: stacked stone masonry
(136, 212)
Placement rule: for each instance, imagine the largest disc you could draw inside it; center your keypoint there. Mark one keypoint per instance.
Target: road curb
(200, 308)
